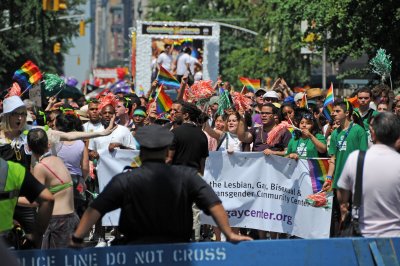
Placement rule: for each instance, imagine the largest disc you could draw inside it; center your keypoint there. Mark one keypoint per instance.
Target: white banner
(266, 193)
(109, 165)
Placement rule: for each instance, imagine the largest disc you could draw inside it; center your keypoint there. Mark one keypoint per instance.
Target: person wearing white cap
(271, 97)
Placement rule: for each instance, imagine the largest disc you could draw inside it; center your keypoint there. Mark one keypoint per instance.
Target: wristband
(329, 177)
(76, 240)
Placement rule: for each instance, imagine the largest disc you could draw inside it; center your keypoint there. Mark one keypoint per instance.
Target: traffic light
(82, 28)
(54, 5)
(78, 60)
(57, 48)
(59, 5)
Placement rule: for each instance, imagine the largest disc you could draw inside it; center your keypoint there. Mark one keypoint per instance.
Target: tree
(32, 35)
(347, 28)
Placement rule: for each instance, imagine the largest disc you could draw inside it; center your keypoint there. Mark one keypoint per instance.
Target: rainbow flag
(165, 78)
(28, 75)
(303, 102)
(141, 90)
(328, 104)
(251, 84)
(354, 102)
(318, 171)
(163, 101)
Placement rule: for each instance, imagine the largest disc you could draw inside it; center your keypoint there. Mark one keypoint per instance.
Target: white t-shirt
(181, 67)
(90, 127)
(193, 61)
(165, 60)
(231, 142)
(120, 135)
(379, 214)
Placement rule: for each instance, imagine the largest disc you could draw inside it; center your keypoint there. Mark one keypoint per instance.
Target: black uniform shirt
(156, 202)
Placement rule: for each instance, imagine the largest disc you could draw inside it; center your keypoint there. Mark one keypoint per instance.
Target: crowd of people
(49, 156)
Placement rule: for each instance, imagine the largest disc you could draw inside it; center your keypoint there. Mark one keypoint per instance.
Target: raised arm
(243, 135)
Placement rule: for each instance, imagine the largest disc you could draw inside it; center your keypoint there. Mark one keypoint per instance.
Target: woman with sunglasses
(307, 143)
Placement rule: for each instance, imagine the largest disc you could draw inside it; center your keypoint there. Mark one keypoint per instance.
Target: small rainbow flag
(163, 101)
(354, 102)
(165, 78)
(328, 104)
(251, 84)
(303, 102)
(318, 171)
(141, 90)
(28, 75)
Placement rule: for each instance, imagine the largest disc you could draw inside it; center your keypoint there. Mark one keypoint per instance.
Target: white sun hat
(12, 103)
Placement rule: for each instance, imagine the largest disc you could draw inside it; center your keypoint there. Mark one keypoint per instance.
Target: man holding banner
(156, 199)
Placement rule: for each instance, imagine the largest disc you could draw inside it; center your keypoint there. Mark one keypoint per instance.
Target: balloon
(71, 81)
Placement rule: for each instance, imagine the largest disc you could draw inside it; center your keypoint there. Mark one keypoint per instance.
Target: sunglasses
(22, 113)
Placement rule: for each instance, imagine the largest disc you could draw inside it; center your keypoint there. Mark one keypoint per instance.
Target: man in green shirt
(350, 136)
(364, 97)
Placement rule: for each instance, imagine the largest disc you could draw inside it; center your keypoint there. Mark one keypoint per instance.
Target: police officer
(15, 181)
(156, 199)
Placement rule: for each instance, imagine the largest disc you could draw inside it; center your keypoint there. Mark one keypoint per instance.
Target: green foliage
(347, 28)
(32, 36)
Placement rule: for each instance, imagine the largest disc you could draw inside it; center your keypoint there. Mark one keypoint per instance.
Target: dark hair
(347, 107)
(282, 115)
(216, 115)
(274, 109)
(187, 50)
(365, 89)
(42, 117)
(68, 123)
(378, 89)
(192, 110)
(386, 126)
(38, 141)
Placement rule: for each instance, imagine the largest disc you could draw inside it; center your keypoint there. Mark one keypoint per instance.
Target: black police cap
(154, 137)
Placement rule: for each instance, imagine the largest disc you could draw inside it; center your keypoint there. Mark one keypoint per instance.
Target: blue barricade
(343, 251)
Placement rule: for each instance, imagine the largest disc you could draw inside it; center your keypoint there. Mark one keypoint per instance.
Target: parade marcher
(348, 137)
(122, 113)
(382, 107)
(364, 98)
(18, 182)
(309, 143)
(227, 138)
(52, 172)
(156, 198)
(379, 213)
(183, 63)
(259, 135)
(268, 138)
(165, 57)
(75, 157)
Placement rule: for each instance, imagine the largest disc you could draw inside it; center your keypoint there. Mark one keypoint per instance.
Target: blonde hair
(5, 124)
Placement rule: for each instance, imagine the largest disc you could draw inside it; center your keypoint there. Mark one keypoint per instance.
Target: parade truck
(149, 37)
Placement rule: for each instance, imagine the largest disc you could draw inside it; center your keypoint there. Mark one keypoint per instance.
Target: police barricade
(260, 192)
(344, 251)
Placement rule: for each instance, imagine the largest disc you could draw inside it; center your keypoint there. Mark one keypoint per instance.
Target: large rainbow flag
(251, 84)
(328, 104)
(318, 171)
(163, 101)
(28, 75)
(165, 78)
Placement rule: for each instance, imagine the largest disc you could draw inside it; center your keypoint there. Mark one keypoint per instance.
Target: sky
(82, 49)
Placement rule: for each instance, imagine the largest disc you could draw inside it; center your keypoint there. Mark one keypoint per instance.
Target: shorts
(59, 230)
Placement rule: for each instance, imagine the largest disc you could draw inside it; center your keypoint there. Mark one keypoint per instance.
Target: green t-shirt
(341, 146)
(305, 148)
(366, 119)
